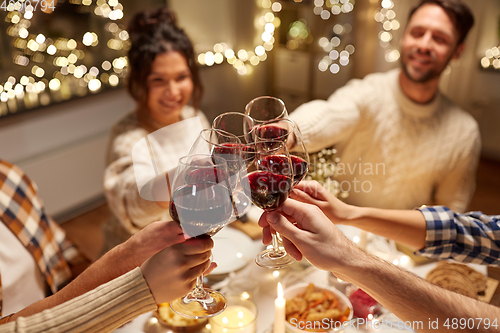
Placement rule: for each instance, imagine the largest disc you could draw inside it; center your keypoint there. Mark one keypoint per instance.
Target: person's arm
(403, 226)
(409, 297)
(434, 232)
(115, 303)
(129, 255)
(472, 237)
(325, 123)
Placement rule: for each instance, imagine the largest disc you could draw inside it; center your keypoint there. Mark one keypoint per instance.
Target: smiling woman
(163, 80)
(170, 87)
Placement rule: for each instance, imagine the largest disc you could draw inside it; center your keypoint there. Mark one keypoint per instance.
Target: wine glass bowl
(201, 203)
(298, 155)
(269, 186)
(277, 130)
(236, 123)
(266, 108)
(285, 130)
(223, 144)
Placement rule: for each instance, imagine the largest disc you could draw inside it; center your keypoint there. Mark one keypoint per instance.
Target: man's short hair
(459, 13)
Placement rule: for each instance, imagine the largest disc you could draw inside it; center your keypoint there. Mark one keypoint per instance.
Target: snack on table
(315, 304)
(459, 278)
(177, 322)
(363, 304)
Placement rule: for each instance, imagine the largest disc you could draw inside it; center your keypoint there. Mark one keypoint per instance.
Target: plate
(232, 250)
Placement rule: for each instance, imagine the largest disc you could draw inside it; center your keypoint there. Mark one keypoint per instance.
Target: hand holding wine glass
(201, 203)
(270, 185)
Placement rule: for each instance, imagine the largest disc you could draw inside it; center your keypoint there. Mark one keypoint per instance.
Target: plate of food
(463, 279)
(232, 251)
(307, 303)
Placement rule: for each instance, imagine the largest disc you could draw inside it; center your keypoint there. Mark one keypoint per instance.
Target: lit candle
(279, 311)
(235, 318)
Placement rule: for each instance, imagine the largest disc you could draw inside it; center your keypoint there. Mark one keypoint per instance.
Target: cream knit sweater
(132, 211)
(103, 309)
(394, 153)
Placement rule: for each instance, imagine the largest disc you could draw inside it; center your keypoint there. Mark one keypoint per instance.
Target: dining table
(236, 246)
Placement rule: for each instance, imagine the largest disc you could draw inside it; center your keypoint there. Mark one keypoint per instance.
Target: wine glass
(266, 108)
(242, 126)
(201, 203)
(223, 144)
(286, 131)
(269, 185)
(236, 123)
(226, 145)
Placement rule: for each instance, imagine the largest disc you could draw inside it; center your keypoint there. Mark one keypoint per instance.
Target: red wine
(206, 175)
(269, 190)
(272, 132)
(201, 209)
(299, 169)
(277, 164)
(231, 153)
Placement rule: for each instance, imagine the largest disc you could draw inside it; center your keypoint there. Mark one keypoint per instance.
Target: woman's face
(170, 87)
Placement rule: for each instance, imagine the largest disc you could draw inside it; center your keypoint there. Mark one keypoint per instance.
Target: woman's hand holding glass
(201, 202)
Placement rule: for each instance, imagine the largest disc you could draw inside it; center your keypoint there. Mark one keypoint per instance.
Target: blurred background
(63, 66)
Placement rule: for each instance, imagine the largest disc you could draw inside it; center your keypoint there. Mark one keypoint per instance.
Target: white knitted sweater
(132, 211)
(394, 153)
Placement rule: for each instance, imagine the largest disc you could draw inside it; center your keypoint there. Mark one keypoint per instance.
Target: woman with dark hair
(163, 79)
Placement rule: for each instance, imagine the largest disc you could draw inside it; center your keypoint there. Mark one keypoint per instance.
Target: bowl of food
(316, 308)
(166, 320)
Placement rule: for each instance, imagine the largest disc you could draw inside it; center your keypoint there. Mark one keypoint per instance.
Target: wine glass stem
(276, 248)
(198, 290)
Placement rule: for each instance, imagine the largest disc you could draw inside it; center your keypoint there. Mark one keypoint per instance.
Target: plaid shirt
(472, 237)
(22, 211)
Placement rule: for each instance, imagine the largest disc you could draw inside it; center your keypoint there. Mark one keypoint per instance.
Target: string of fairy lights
(386, 16)
(73, 78)
(491, 59)
(244, 60)
(335, 57)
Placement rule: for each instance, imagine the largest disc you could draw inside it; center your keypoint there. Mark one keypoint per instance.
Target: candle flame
(280, 290)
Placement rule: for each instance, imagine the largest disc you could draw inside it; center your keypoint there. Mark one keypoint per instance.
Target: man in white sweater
(402, 143)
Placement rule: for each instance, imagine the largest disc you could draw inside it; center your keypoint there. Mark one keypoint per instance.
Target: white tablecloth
(299, 272)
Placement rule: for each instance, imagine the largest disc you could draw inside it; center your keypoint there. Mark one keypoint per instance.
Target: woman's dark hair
(153, 33)
(459, 13)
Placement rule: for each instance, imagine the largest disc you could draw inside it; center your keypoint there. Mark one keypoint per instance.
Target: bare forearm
(113, 264)
(415, 300)
(407, 227)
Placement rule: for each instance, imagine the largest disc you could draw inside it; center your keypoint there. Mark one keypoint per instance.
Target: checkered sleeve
(472, 237)
(69, 251)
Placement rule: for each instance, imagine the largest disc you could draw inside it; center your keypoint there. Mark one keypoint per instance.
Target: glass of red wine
(236, 123)
(266, 108)
(269, 185)
(242, 126)
(223, 144)
(201, 203)
(285, 130)
(227, 146)
(276, 130)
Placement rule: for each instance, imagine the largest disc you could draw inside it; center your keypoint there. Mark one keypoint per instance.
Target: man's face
(428, 44)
